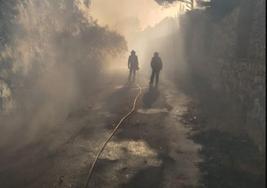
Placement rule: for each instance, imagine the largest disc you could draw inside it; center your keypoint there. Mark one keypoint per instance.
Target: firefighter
(156, 65)
(133, 65)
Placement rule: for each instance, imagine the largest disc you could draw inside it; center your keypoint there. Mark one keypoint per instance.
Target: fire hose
(118, 125)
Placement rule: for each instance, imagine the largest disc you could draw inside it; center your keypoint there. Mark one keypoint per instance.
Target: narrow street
(151, 149)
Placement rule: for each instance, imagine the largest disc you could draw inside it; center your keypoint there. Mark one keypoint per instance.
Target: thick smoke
(140, 22)
(52, 55)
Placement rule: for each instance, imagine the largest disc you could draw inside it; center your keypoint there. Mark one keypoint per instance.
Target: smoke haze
(146, 25)
(55, 54)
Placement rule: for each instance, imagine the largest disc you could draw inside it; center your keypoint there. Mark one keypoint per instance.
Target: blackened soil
(229, 161)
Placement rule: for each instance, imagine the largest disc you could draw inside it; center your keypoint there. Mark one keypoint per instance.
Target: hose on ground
(112, 134)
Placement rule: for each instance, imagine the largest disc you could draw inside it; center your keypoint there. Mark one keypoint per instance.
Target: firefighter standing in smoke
(156, 65)
(132, 65)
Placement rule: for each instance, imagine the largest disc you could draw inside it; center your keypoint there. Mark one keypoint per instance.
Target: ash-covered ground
(163, 144)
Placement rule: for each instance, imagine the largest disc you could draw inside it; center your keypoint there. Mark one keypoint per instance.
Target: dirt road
(154, 148)
(151, 149)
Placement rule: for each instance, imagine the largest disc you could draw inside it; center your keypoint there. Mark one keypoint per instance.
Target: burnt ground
(230, 158)
(230, 161)
(152, 148)
(162, 145)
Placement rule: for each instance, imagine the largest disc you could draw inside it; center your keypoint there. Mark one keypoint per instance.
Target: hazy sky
(130, 18)
(125, 15)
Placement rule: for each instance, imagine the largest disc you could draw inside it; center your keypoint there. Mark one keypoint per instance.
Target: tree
(188, 3)
(218, 8)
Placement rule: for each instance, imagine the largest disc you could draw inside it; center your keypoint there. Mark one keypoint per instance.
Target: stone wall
(215, 51)
(257, 45)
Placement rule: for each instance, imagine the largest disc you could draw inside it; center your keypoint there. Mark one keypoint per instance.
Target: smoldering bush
(55, 52)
